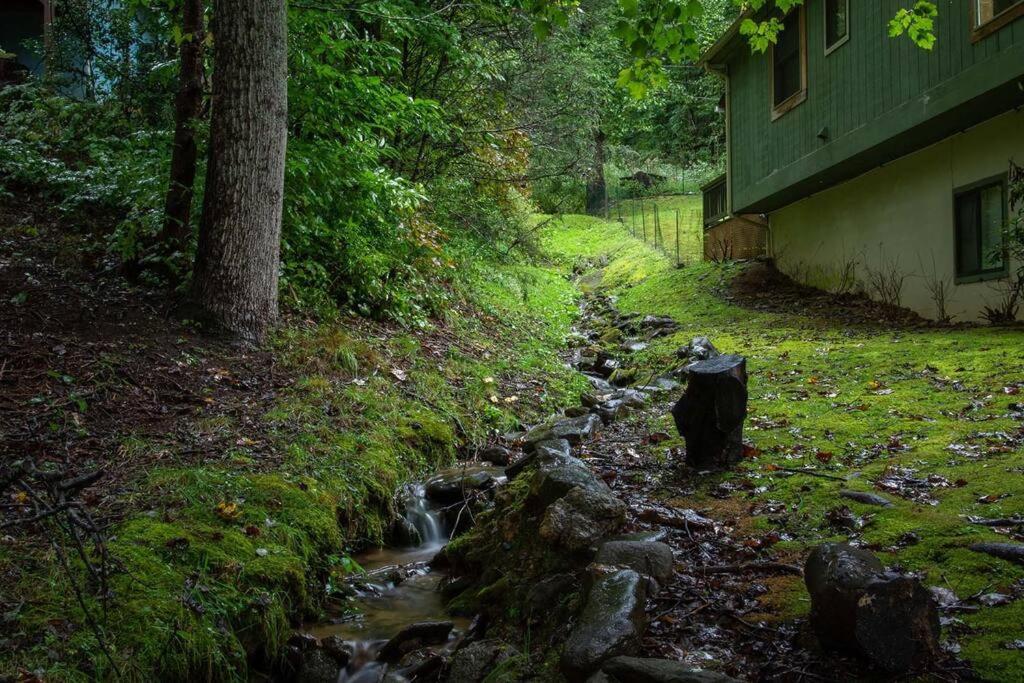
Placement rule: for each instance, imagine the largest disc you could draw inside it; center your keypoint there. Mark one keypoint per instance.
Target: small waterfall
(424, 516)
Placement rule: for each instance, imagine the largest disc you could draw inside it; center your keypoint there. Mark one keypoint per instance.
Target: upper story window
(837, 23)
(789, 64)
(988, 16)
(980, 218)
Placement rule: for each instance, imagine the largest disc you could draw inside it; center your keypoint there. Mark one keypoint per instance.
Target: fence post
(677, 237)
(643, 220)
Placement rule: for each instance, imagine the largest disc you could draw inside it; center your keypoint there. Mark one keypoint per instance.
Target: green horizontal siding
(879, 98)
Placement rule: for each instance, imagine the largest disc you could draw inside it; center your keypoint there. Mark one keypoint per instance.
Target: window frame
(980, 31)
(977, 187)
(829, 49)
(800, 96)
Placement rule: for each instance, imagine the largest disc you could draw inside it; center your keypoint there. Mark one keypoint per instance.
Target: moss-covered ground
(855, 401)
(212, 562)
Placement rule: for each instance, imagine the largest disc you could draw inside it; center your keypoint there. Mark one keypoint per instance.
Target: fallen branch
(754, 567)
(813, 473)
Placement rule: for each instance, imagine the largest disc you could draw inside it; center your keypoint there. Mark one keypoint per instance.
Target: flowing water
(398, 589)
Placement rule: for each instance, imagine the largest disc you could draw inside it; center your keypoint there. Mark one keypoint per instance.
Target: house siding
(899, 218)
(880, 98)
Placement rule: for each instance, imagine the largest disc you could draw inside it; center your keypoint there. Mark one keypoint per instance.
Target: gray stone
(611, 623)
(337, 649)
(576, 411)
(600, 384)
(634, 346)
(474, 662)
(650, 559)
(609, 411)
(581, 518)
(498, 455)
(548, 592)
(700, 348)
(575, 430)
(544, 450)
(404, 533)
(413, 637)
(452, 486)
(641, 670)
(601, 677)
(317, 667)
(556, 477)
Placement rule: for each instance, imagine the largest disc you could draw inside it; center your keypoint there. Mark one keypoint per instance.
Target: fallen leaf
(227, 510)
(823, 456)
(398, 374)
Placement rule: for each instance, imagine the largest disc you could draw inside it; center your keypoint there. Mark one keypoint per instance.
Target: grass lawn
(929, 417)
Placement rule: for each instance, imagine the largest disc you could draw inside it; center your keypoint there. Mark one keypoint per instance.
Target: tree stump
(857, 607)
(711, 412)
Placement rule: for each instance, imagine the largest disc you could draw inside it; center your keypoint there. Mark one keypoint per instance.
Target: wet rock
(699, 348)
(601, 677)
(600, 384)
(1012, 552)
(630, 397)
(857, 607)
(317, 667)
(474, 662)
(419, 665)
(404, 534)
(575, 430)
(581, 518)
(555, 478)
(609, 411)
(866, 498)
(650, 536)
(641, 670)
(543, 450)
(659, 325)
(414, 637)
(453, 486)
(497, 455)
(576, 411)
(650, 559)
(634, 346)
(623, 377)
(591, 400)
(549, 592)
(711, 412)
(612, 335)
(666, 383)
(303, 641)
(611, 623)
(337, 649)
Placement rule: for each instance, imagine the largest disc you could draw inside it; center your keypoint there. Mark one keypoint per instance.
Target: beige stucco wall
(899, 217)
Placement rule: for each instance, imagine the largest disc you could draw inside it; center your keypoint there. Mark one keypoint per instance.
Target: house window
(980, 218)
(789, 64)
(988, 16)
(837, 23)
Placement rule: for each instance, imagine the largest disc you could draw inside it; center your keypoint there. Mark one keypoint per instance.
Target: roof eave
(709, 59)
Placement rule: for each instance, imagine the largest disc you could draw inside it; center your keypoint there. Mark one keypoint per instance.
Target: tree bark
(236, 270)
(187, 106)
(596, 191)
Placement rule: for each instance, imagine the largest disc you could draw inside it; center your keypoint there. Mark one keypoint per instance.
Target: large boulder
(857, 607)
(642, 670)
(651, 559)
(581, 518)
(575, 430)
(611, 623)
(474, 662)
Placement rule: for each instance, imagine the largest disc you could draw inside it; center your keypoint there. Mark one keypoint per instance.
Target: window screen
(786, 60)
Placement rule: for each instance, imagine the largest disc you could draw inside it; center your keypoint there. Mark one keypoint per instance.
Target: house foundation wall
(897, 220)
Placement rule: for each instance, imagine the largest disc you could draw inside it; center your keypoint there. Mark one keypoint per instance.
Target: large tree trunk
(235, 279)
(187, 106)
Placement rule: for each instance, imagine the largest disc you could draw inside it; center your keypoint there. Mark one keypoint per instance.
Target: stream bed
(398, 588)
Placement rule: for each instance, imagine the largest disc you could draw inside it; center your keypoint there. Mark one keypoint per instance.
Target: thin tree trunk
(187, 106)
(235, 279)
(596, 192)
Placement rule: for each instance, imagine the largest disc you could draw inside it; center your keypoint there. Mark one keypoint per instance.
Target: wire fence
(671, 224)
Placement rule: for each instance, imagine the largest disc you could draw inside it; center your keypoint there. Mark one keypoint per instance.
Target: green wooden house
(880, 165)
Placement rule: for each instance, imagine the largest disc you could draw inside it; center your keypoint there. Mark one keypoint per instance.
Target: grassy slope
(635, 214)
(214, 561)
(830, 387)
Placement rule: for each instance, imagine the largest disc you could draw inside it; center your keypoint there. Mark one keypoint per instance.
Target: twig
(813, 473)
(747, 567)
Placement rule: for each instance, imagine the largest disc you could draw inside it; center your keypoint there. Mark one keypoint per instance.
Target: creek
(398, 588)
